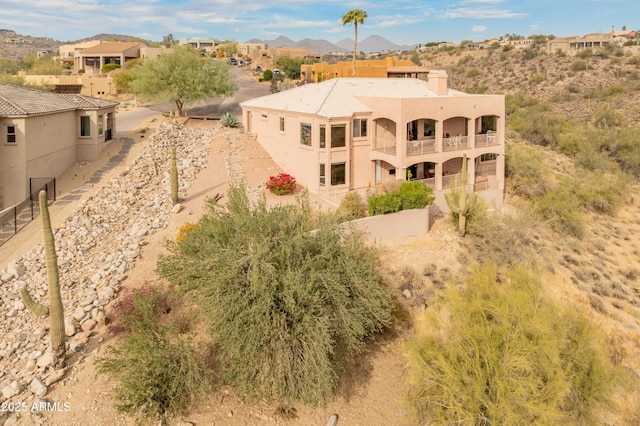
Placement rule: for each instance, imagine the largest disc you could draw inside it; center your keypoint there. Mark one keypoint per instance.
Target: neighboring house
(572, 45)
(350, 134)
(44, 133)
(201, 43)
(374, 68)
(69, 51)
(92, 59)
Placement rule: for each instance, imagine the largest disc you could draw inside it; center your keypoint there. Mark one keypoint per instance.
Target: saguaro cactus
(459, 201)
(55, 308)
(174, 177)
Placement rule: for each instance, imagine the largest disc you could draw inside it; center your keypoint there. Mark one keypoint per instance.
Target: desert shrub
(384, 203)
(158, 374)
(282, 183)
(286, 307)
(579, 66)
(634, 60)
(267, 75)
(537, 78)
(409, 195)
(600, 192)
(415, 195)
(473, 72)
(498, 352)
(529, 54)
(563, 209)
(585, 53)
(518, 101)
(185, 229)
(350, 207)
(627, 151)
(607, 91)
(229, 120)
(527, 175)
(507, 239)
(606, 118)
(478, 90)
(110, 67)
(537, 124)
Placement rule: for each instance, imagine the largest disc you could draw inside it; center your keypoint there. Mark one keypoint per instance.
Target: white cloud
(478, 28)
(482, 13)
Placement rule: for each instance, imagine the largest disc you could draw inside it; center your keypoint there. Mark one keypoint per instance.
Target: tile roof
(20, 101)
(110, 48)
(338, 97)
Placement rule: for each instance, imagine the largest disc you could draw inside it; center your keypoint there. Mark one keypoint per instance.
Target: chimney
(437, 82)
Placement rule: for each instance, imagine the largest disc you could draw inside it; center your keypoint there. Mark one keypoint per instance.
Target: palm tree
(355, 16)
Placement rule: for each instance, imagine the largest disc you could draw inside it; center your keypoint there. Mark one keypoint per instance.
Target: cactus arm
(56, 309)
(174, 177)
(37, 308)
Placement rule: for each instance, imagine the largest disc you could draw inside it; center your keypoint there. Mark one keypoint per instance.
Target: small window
(338, 136)
(322, 175)
(305, 134)
(359, 128)
(282, 124)
(100, 124)
(338, 174)
(323, 136)
(11, 134)
(85, 125)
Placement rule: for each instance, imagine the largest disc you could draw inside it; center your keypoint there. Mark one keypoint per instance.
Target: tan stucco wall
(99, 86)
(46, 145)
(373, 68)
(404, 223)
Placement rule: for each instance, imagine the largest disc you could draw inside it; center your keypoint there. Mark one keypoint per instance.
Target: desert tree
(355, 17)
(290, 295)
(181, 77)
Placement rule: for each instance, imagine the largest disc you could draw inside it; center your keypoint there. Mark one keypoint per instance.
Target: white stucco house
(43, 133)
(349, 134)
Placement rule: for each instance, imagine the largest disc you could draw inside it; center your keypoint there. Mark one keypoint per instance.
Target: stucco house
(92, 59)
(349, 134)
(44, 133)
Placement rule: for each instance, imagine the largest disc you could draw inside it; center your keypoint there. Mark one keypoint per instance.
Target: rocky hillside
(573, 85)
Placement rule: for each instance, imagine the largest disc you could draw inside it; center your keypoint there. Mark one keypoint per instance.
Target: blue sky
(401, 21)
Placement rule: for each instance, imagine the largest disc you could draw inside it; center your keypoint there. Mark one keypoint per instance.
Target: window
(429, 127)
(305, 134)
(360, 128)
(323, 136)
(338, 136)
(11, 134)
(100, 124)
(322, 175)
(85, 125)
(282, 124)
(339, 174)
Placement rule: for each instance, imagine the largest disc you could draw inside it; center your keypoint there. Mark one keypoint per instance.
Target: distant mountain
(370, 44)
(373, 43)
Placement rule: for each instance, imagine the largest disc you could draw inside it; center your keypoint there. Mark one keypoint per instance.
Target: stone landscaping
(96, 246)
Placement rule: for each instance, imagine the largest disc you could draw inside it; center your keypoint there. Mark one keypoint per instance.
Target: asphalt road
(247, 89)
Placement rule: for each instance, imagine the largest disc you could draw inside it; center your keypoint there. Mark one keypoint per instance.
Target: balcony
(384, 145)
(421, 147)
(487, 139)
(455, 143)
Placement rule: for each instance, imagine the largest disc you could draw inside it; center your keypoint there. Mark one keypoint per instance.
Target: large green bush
(409, 195)
(158, 373)
(290, 296)
(498, 352)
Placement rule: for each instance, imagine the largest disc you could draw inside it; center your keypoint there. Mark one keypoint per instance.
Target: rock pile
(96, 246)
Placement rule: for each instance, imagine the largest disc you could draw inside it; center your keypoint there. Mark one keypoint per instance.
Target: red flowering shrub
(282, 183)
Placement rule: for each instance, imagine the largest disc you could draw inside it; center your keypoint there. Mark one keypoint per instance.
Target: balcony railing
(487, 139)
(384, 145)
(421, 147)
(454, 143)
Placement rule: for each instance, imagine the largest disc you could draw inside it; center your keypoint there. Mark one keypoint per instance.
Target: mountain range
(373, 43)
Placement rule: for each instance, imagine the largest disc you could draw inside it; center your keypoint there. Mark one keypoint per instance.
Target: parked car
(240, 63)
(232, 61)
